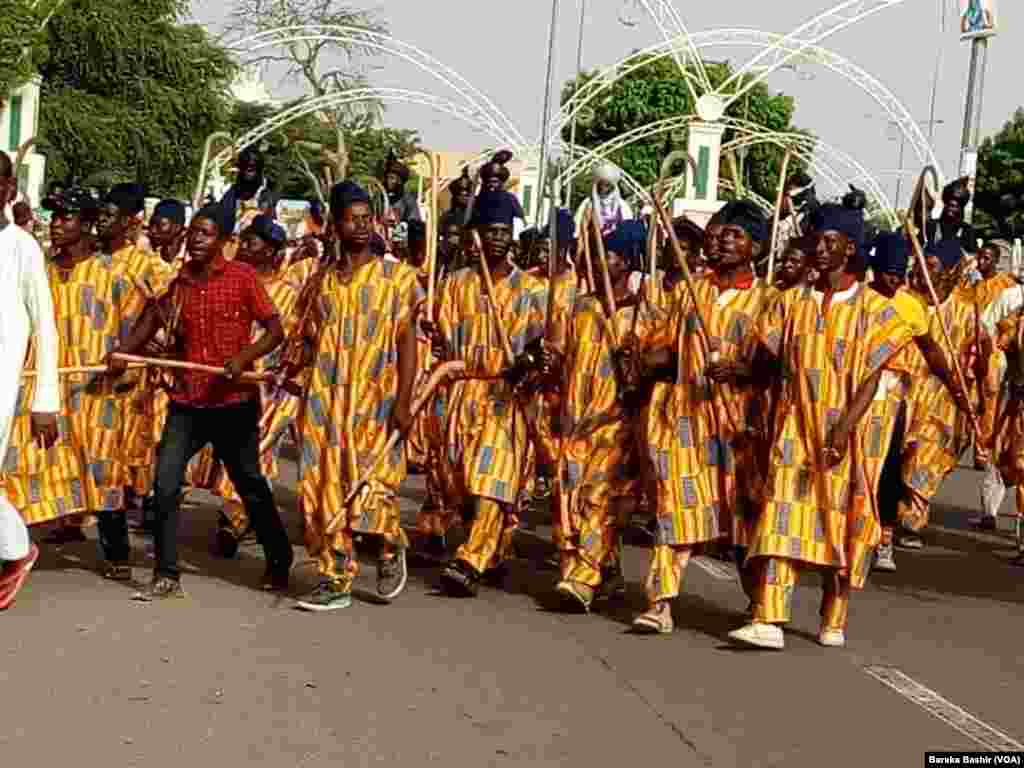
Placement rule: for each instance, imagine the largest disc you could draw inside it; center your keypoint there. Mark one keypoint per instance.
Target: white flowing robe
(26, 307)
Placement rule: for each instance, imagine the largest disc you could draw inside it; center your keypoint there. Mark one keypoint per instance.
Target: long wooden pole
(432, 230)
(179, 365)
(606, 280)
(485, 270)
(591, 282)
(780, 197)
(449, 370)
(702, 324)
(923, 266)
(81, 369)
(553, 249)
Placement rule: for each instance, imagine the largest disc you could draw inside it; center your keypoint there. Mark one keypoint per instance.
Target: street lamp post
(579, 74)
(545, 126)
(903, 145)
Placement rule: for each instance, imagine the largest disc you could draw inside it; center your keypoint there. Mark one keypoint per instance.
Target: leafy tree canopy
(656, 92)
(131, 93)
(296, 151)
(999, 199)
(22, 40)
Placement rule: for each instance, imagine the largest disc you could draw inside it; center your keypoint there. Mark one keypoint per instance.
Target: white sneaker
(885, 559)
(909, 541)
(760, 636)
(832, 638)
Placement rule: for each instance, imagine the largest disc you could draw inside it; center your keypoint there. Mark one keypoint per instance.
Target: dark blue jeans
(234, 432)
(890, 483)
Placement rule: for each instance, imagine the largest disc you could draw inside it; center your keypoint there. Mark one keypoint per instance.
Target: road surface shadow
(952, 565)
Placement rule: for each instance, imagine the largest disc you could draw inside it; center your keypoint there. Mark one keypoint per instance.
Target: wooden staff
(485, 270)
(549, 320)
(179, 365)
(435, 234)
(780, 198)
(679, 155)
(449, 370)
(197, 195)
(591, 282)
(737, 177)
(81, 369)
(609, 295)
(923, 266)
(691, 289)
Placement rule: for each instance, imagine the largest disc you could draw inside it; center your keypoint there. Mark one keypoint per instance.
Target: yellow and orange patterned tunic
(352, 388)
(596, 448)
(692, 427)
(95, 303)
(479, 420)
(938, 432)
(827, 350)
(151, 275)
(991, 390)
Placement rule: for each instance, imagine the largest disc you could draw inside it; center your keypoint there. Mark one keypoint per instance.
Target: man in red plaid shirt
(215, 302)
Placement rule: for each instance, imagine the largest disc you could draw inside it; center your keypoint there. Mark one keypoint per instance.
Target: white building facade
(19, 122)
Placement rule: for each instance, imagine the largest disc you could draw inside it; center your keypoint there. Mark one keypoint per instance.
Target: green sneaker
(161, 588)
(328, 596)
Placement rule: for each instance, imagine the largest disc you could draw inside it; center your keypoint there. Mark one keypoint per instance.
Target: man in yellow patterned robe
(150, 274)
(482, 417)
(94, 300)
(536, 494)
(594, 448)
(362, 368)
(938, 431)
(696, 436)
(832, 340)
(992, 389)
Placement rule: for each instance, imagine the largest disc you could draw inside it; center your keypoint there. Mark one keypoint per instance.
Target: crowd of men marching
(791, 409)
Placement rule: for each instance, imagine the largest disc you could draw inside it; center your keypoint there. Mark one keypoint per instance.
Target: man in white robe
(27, 308)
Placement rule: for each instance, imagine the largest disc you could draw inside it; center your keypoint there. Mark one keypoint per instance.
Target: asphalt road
(233, 677)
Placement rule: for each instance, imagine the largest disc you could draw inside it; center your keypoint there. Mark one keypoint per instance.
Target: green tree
(295, 153)
(655, 92)
(131, 93)
(999, 197)
(22, 40)
(315, 65)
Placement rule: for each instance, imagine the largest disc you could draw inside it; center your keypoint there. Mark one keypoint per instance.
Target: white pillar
(705, 147)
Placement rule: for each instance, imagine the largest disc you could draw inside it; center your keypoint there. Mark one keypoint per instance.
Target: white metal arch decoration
(767, 207)
(846, 69)
(474, 97)
(804, 147)
(876, 193)
(673, 29)
(675, 185)
(340, 98)
(807, 35)
(588, 156)
(792, 45)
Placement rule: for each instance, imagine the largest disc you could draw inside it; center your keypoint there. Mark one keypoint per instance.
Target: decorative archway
(311, 106)
(749, 134)
(474, 98)
(585, 96)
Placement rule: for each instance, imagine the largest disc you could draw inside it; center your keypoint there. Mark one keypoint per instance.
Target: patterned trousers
(377, 515)
(490, 535)
(776, 582)
(593, 545)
